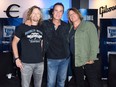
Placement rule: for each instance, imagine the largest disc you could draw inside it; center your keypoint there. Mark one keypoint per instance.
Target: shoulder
(22, 25)
(19, 26)
(90, 26)
(89, 23)
(46, 22)
(64, 23)
(65, 26)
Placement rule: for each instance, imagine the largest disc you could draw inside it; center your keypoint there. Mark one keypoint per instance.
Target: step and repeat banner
(17, 8)
(107, 42)
(7, 28)
(106, 8)
(107, 27)
(13, 13)
(90, 15)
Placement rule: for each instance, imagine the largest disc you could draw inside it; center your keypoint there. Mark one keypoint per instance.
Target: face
(57, 12)
(36, 15)
(73, 16)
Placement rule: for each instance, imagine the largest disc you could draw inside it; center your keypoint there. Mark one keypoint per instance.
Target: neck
(34, 23)
(56, 22)
(76, 24)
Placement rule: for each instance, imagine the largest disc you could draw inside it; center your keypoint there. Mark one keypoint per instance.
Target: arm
(15, 52)
(94, 43)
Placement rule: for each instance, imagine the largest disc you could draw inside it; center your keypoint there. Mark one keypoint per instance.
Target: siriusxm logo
(8, 31)
(111, 31)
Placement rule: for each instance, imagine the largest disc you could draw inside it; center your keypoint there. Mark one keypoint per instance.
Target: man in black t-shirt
(31, 60)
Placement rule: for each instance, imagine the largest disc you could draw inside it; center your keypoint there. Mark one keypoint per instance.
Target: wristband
(16, 58)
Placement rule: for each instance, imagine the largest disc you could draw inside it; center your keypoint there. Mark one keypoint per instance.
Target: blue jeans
(28, 70)
(57, 70)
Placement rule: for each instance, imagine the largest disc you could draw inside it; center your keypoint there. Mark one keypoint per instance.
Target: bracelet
(16, 58)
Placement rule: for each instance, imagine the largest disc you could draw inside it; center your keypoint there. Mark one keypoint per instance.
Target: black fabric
(71, 40)
(56, 41)
(112, 70)
(30, 38)
(92, 73)
(6, 64)
(72, 49)
(13, 82)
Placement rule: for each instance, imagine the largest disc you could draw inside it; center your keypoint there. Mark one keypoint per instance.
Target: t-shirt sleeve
(18, 31)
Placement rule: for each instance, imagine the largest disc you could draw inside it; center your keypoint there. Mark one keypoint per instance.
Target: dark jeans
(92, 73)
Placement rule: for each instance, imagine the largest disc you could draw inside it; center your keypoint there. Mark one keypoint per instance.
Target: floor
(71, 83)
(15, 82)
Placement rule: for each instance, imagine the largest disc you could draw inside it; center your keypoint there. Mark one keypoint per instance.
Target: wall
(18, 8)
(84, 4)
(25, 4)
(96, 4)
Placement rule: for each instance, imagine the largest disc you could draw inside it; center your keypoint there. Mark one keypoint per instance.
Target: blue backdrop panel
(7, 27)
(90, 15)
(107, 42)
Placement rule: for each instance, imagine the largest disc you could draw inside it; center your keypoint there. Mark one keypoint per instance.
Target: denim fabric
(57, 72)
(28, 70)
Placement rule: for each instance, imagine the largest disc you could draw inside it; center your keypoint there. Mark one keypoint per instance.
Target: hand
(90, 62)
(19, 64)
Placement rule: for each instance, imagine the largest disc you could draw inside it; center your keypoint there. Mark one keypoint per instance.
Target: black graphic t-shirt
(30, 38)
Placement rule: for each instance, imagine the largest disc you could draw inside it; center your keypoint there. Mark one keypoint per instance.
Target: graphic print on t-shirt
(34, 36)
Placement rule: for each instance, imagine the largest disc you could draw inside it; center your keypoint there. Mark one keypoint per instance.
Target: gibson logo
(103, 10)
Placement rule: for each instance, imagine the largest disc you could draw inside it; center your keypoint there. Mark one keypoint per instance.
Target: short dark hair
(50, 12)
(58, 3)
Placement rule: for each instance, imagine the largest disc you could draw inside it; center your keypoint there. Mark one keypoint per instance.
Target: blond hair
(30, 12)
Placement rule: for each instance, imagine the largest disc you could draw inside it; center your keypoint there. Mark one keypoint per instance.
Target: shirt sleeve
(18, 32)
